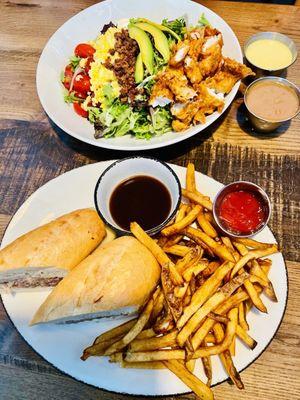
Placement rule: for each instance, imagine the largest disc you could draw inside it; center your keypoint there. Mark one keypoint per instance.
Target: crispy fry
(99, 349)
(158, 306)
(216, 248)
(175, 275)
(210, 305)
(177, 250)
(197, 198)
(232, 347)
(242, 317)
(164, 323)
(226, 358)
(202, 391)
(180, 225)
(134, 331)
(116, 332)
(253, 243)
(143, 365)
(116, 357)
(190, 365)
(229, 335)
(190, 177)
(147, 241)
(208, 215)
(194, 270)
(206, 226)
(180, 291)
(189, 259)
(154, 343)
(228, 304)
(156, 355)
(212, 267)
(254, 296)
(147, 333)
(245, 337)
(203, 293)
(171, 240)
(206, 362)
(251, 255)
(258, 271)
(181, 212)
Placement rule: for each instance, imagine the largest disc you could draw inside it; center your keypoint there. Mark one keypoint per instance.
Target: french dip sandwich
(116, 279)
(43, 256)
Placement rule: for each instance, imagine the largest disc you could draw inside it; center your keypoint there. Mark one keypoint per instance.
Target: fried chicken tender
(229, 73)
(180, 50)
(161, 95)
(178, 83)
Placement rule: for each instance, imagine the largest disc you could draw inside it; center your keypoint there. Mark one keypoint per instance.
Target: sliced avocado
(160, 40)
(161, 27)
(139, 69)
(145, 46)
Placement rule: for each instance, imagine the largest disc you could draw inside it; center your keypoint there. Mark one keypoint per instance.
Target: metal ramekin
(276, 36)
(262, 124)
(235, 186)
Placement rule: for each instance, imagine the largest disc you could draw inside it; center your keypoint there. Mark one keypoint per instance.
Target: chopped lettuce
(71, 98)
(74, 61)
(177, 25)
(120, 119)
(202, 21)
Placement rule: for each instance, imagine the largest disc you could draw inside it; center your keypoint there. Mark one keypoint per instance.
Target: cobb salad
(142, 78)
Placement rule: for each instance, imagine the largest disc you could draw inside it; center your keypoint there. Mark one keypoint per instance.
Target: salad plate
(85, 27)
(64, 194)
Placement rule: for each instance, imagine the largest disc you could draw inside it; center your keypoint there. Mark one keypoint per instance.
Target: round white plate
(62, 345)
(85, 26)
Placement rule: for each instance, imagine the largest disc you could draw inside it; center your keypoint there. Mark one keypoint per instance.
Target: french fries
(208, 284)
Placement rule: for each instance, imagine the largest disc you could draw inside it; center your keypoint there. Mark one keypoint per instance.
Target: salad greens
(202, 21)
(177, 25)
(74, 61)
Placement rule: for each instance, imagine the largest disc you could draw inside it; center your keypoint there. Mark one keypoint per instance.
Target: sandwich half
(43, 256)
(116, 279)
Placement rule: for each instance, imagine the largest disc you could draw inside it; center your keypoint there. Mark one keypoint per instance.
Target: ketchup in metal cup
(242, 211)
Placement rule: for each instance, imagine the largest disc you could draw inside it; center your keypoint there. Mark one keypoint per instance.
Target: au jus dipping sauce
(142, 199)
(242, 212)
(272, 101)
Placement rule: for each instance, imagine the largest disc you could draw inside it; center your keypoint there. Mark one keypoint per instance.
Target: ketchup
(242, 211)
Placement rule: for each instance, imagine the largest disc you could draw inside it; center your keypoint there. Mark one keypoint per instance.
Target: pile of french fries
(208, 284)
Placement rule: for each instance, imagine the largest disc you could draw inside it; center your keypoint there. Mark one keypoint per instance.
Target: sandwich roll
(116, 279)
(58, 245)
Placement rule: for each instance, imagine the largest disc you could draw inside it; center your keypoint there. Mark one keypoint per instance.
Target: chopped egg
(99, 74)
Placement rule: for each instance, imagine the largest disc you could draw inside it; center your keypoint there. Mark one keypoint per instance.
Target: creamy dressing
(272, 101)
(269, 54)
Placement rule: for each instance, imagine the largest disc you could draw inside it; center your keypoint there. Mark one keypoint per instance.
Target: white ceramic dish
(126, 168)
(72, 190)
(85, 26)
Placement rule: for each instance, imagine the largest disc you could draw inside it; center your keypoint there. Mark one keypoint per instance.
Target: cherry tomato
(84, 50)
(80, 111)
(81, 83)
(68, 76)
(88, 64)
(80, 95)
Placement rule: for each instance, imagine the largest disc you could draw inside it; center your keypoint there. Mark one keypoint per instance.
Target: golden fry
(190, 177)
(253, 243)
(232, 347)
(251, 255)
(190, 365)
(203, 293)
(180, 225)
(116, 332)
(206, 226)
(147, 333)
(156, 355)
(211, 268)
(177, 250)
(245, 337)
(229, 335)
(194, 270)
(258, 271)
(210, 305)
(242, 317)
(99, 349)
(116, 357)
(134, 331)
(154, 343)
(226, 358)
(197, 198)
(143, 365)
(181, 212)
(218, 249)
(189, 259)
(202, 391)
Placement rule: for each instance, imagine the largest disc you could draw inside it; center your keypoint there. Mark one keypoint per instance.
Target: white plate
(86, 26)
(62, 345)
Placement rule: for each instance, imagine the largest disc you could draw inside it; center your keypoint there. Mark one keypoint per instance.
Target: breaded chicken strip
(161, 95)
(230, 72)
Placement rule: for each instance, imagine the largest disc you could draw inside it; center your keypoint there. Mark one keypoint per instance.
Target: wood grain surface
(33, 150)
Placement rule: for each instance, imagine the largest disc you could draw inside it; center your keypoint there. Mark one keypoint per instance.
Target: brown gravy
(272, 101)
(140, 199)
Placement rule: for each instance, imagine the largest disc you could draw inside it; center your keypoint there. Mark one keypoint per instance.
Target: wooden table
(33, 151)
